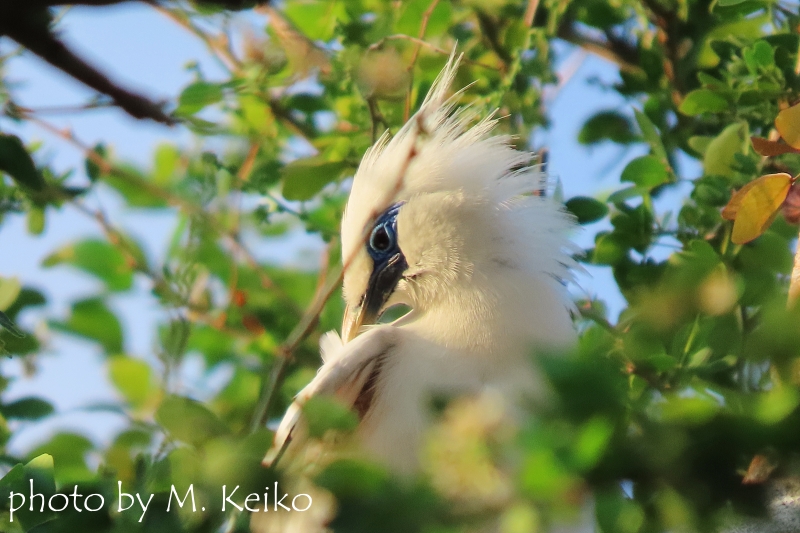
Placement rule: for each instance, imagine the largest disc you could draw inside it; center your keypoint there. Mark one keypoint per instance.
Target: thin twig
(107, 167)
(18, 23)
(232, 238)
(221, 53)
(423, 26)
(530, 12)
(403, 37)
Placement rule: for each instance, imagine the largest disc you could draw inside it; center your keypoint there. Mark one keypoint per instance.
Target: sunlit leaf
(788, 125)
(646, 171)
(755, 208)
(99, 258)
(197, 96)
(703, 101)
(720, 154)
(304, 178)
(132, 377)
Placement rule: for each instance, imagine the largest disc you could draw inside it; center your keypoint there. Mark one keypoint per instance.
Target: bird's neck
(507, 311)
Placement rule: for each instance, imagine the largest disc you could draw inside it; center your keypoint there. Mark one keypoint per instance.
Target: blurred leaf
(761, 55)
(304, 178)
(607, 125)
(9, 326)
(17, 163)
(10, 289)
(788, 125)
(769, 148)
(197, 96)
(188, 420)
(34, 477)
(96, 257)
(755, 206)
(133, 379)
(27, 409)
(36, 220)
(92, 319)
(646, 171)
(68, 461)
(93, 170)
(651, 135)
(323, 414)
(586, 209)
(702, 101)
(719, 156)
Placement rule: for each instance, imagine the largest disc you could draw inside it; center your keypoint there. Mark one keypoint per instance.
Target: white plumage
(482, 256)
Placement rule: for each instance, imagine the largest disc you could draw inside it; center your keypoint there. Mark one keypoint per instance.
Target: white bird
(452, 222)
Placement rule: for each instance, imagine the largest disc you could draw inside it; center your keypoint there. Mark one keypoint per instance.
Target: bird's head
(439, 207)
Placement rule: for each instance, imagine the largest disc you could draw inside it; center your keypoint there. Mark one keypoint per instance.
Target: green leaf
(68, 451)
(9, 326)
(726, 3)
(609, 250)
(36, 220)
(720, 154)
(607, 125)
(761, 55)
(167, 158)
(316, 19)
(132, 377)
(27, 409)
(10, 288)
(646, 171)
(92, 319)
(323, 414)
(17, 163)
(197, 96)
(96, 257)
(699, 143)
(702, 101)
(304, 178)
(93, 170)
(651, 135)
(188, 420)
(36, 476)
(586, 209)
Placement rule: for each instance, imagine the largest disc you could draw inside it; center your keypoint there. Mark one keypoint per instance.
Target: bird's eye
(382, 238)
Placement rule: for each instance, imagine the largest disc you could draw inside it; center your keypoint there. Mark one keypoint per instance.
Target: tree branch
(29, 28)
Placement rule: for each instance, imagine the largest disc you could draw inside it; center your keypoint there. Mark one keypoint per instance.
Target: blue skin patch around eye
(382, 243)
(388, 264)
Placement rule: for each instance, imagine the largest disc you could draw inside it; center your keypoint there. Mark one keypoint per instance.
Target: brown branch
(23, 25)
(530, 12)
(618, 52)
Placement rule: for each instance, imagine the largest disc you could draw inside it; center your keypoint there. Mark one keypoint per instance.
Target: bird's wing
(346, 374)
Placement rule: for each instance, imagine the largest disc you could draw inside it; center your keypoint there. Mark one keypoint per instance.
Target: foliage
(658, 413)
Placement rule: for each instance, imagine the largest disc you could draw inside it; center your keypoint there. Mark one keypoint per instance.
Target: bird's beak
(382, 283)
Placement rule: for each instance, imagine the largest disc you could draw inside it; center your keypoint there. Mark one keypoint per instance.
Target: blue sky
(146, 51)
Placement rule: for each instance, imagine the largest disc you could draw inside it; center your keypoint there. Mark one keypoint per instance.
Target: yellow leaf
(788, 124)
(729, 211)
(759, 205)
